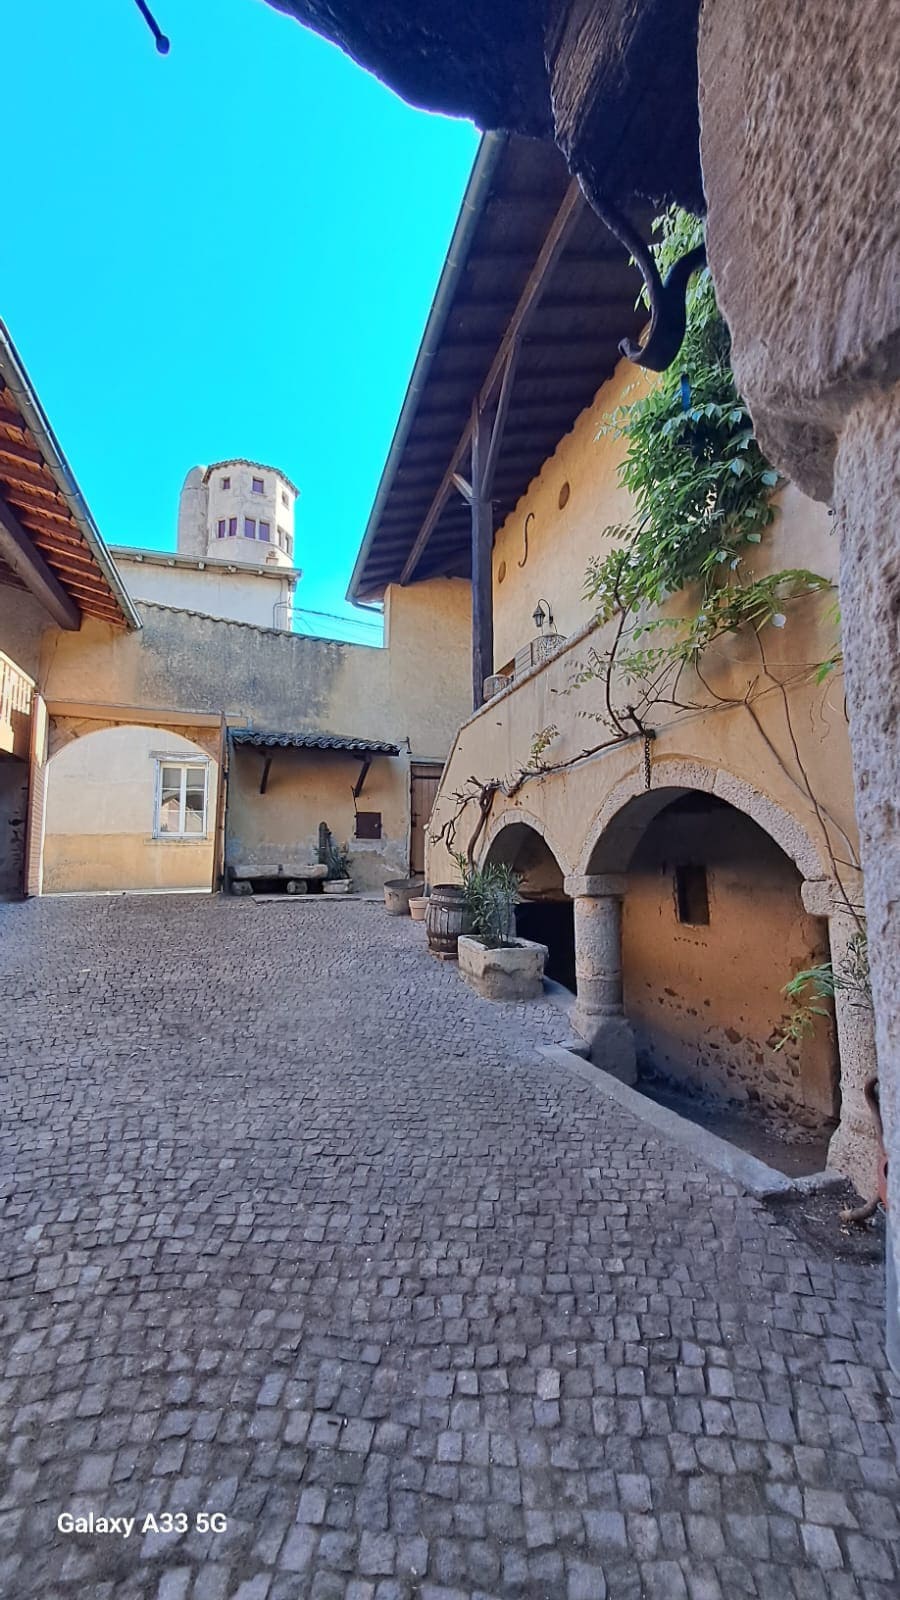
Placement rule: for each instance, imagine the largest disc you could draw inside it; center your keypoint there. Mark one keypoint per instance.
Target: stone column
(600, 1013)
(799, 155)
(853, 1147)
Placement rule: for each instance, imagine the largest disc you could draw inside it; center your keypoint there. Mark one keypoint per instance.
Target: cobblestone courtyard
(299, 1232)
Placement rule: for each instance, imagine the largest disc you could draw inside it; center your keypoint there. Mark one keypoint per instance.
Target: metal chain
(647, 743)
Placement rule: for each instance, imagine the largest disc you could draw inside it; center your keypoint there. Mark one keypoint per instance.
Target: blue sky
(230, 250)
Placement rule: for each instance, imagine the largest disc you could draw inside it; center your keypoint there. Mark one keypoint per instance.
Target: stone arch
(516, 814)
(62, 730)
(102, 826)
(629, 809)
(545, 912)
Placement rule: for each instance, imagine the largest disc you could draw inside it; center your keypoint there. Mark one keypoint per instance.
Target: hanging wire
(162, 43)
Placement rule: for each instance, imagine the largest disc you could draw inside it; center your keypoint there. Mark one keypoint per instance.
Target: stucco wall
(562, 541)
(306, 787)
(239, 596)
(238, 500)
(99, 816)
(705, 1002)
(22, 623)
(415, 687)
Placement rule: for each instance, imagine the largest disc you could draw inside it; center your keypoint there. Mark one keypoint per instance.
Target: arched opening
(713, 926)
(129, 808)
(545, 912)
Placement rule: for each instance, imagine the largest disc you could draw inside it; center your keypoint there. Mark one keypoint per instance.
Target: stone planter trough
(512, 972)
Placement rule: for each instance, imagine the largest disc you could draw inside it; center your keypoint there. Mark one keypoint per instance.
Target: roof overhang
(526, 250)
(49, 542)
(312, 741)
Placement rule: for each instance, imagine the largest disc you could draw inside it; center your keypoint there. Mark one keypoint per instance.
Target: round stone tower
(238, 510)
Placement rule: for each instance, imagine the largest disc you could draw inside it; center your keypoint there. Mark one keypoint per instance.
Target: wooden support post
(482, 553)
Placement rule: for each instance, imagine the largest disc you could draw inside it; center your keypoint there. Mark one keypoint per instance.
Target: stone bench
(296, 876)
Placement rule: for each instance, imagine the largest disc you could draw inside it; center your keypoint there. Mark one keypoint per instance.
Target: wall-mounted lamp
(542, 617)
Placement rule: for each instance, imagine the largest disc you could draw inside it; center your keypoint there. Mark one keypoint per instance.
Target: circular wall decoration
(564, 493)
(501, 572)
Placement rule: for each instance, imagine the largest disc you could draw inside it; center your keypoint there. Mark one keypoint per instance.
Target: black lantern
(541, 616)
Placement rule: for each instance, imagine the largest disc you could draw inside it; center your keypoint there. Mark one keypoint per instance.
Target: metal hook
(529, 518)
(162, 43)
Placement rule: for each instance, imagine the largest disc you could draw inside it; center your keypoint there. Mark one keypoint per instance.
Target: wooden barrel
(448, 916)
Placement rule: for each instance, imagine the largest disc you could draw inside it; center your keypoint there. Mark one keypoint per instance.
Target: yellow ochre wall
(414, 693)
(99, 816)
(561, 542)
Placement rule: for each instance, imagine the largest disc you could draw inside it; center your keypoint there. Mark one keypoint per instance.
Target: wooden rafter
(559, 233)
(21, 554)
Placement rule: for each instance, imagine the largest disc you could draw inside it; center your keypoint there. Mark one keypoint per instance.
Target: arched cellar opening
(545, 912)
(713, 927)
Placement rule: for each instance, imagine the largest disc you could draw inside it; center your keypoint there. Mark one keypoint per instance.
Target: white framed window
(180, 798)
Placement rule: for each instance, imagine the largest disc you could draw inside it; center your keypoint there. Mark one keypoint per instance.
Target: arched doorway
(713, 926)
(129, 807)
(545, 911)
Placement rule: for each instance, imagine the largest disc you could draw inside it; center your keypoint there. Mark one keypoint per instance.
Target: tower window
(284, 499)
(249, 527)
(264, 531)
(226, 483)
(232, 527)
(258, 486)
(692, 896)
(220, 527)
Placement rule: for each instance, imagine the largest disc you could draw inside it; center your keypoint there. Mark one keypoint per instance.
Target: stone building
(680, 878)
(781, 125)
(235, 548)
(151, 744)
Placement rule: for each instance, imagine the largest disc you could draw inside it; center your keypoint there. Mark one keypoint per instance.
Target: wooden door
(425, 777)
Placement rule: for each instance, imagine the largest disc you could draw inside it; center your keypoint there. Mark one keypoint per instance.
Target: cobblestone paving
(300, 1233)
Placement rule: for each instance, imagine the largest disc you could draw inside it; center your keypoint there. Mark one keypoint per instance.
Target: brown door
(426, 775)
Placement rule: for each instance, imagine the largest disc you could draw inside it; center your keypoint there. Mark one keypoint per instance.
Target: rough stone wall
(800, 128)
(867, 497)
(799, 139)
(705, 1002)
(13, 814)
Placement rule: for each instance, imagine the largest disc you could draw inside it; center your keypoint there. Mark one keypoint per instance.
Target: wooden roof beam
(26, 561)
(555, 242)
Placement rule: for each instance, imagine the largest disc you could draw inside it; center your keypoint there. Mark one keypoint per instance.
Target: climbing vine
(702, 492)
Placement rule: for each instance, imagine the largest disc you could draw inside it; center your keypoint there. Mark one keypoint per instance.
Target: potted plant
(337, 859)
(493, 961)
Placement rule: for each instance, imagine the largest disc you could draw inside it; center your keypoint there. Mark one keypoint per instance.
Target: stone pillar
(600, 1013)
(853, 1148)
(799, 153)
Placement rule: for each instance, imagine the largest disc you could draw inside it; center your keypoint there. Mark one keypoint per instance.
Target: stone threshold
(759, 1180)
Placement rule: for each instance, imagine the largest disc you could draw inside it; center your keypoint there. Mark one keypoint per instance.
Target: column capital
(818, 896)
(596, 885)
